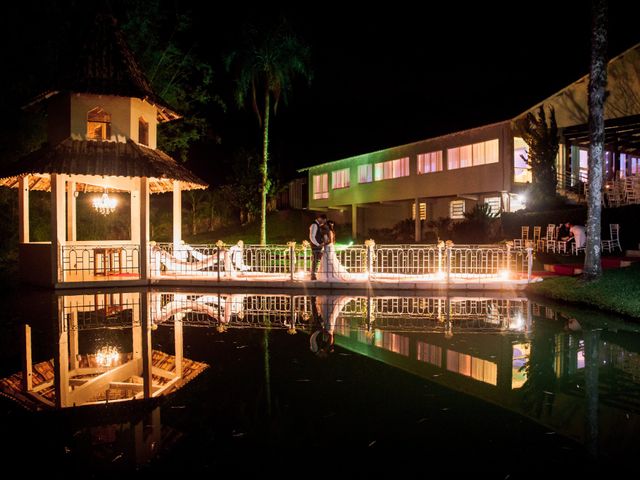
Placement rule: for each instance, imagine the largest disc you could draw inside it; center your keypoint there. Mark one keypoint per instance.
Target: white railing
(443, 262)
(99, 262)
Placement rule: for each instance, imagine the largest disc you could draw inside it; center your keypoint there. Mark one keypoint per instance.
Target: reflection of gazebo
(101, 138)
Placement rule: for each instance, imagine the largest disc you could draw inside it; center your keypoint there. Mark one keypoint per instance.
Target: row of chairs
(551, 243)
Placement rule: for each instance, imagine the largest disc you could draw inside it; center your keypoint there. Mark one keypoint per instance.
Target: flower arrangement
(305, 244)
(370, 243)
(291, 244)
(448, 243)
(441, 244)
(220, 244)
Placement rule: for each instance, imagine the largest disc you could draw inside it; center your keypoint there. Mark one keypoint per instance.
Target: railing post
(508, 257)
(440, 273)
(370, 245)
(305, 245)
(449, 245)
(219, 244)
(529, 263)
(292, 259)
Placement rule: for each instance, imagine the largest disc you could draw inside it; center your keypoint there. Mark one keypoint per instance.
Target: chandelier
(107, 356)
(104, 204)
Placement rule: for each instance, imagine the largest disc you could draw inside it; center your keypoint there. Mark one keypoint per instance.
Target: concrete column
(58, 232)
(23, 209)
(143, 216)
(417, 229)
(71, 212)
(177, 215)
(354, 222)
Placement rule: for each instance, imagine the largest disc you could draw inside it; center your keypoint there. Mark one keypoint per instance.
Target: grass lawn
(617, 291)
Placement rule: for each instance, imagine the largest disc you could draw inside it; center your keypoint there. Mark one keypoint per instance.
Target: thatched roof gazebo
(102, 130)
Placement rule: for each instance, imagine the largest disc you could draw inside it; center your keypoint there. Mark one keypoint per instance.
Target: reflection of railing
(377, 262)
(99, 262)
(287, 311)
(101, 310)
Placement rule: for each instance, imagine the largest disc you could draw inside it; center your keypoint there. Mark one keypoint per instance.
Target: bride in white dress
(331, 270)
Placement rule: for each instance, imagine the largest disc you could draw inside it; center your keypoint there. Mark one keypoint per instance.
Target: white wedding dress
(331, 270)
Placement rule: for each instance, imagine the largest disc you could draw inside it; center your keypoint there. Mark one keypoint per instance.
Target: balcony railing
(99, 262)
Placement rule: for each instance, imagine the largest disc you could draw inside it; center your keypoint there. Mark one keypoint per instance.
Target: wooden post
(147, 353)
(178, 340)
(23, 209)
(73, 340)
(57, 226)
(144, 228)
(177, 216)
(61, 362)
(71, 212)
(27, 370)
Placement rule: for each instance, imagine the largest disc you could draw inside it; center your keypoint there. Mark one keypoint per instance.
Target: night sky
(394, 75)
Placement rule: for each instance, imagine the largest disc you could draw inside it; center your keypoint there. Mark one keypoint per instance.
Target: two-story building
(448, 175)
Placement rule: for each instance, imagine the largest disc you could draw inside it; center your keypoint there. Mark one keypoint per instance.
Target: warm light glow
(504, 274)
(517, 323)
(104, 204)
(107, 356)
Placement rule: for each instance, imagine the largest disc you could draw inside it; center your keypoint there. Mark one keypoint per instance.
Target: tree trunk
(264, 171)
(597, 85)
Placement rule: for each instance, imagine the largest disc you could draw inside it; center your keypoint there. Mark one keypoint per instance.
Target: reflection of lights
(440, 276)
(517, 323)
(107, 356)
(104, 204)
(504, 274)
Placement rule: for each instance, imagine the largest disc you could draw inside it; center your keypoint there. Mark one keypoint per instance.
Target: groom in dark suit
(316, 237)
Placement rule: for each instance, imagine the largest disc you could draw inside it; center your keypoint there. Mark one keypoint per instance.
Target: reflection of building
(103, 354)
(448, 175)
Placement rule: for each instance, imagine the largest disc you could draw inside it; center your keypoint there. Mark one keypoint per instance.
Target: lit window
(98, 124)
(456, 209)
(392, 169)
(473, 155)
(365, 173)
(340, 178)
(521, 169)
(423, 211)
(494, 204)
(430, 162)
(321, 186)
(143, 132)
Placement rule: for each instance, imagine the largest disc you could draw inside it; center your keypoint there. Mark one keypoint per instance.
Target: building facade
(449, 175)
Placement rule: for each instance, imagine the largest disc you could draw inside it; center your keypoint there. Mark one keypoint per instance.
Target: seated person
(579, 235)
(563, 231)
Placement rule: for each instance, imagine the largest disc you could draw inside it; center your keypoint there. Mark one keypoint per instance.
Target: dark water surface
(366, 384)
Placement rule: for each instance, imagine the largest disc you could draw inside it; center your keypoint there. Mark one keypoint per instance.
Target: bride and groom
(322, 235)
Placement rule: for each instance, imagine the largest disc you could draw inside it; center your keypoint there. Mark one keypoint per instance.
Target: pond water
(266, 381)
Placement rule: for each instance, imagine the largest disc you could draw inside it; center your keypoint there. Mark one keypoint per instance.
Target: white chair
(524, 237)
(614, 241)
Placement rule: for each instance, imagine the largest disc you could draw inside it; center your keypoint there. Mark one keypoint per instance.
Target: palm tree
(597, 85)
(266, 66)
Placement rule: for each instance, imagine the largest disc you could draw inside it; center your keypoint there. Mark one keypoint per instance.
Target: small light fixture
(104, 204)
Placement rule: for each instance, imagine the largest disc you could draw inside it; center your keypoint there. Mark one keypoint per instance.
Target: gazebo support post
(143, 215)
(58, 232)
(23, 209)
(71, 212)
(177, 216)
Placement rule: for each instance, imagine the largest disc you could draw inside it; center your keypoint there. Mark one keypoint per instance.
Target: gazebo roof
(106, 66)
(100, 158)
